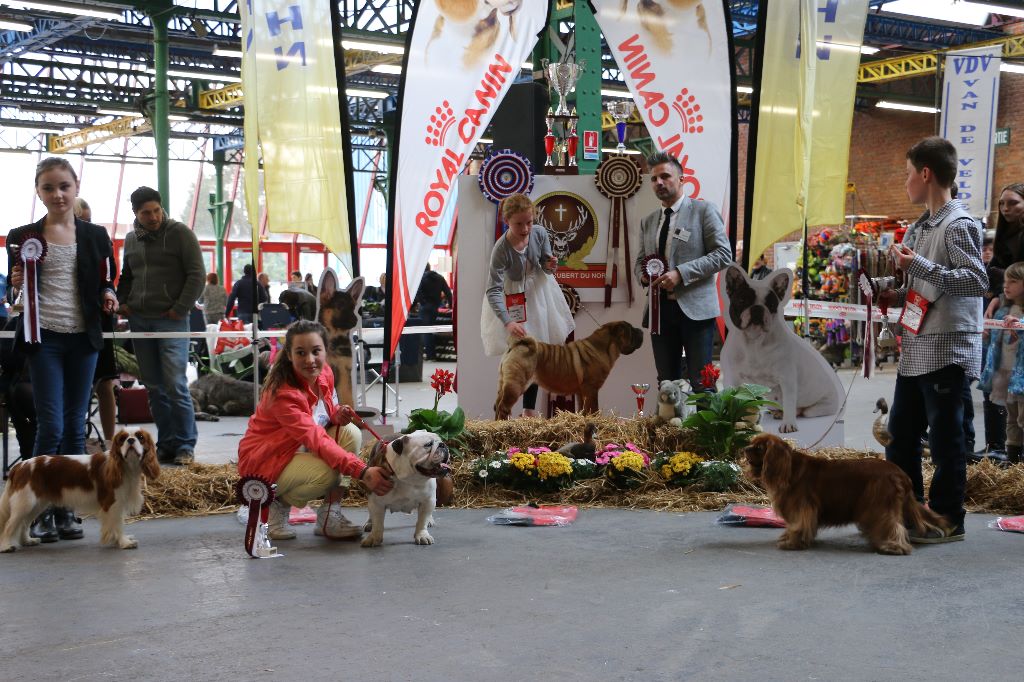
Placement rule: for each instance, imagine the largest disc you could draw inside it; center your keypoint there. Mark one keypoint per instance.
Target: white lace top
(59, 301)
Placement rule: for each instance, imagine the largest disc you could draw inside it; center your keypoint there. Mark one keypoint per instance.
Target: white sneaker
(277, 522)
(337, 526)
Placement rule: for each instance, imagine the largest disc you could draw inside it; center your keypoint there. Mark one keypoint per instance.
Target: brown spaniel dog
(107, 484)
(809, 493)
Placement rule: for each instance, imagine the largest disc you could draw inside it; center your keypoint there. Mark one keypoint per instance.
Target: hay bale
(195, 490)
(210, 489)
(484, 437)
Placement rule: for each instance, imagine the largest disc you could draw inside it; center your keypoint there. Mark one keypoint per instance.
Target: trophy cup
(572, 141)
(621, 110)
(563, 77)
(549, 139)
(640, 390)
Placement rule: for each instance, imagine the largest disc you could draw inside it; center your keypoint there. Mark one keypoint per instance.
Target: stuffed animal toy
(671, 402)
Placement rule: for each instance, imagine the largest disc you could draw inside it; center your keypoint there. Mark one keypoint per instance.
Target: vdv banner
(459, 64)
(676, 59)
(292, 113)
(970, 99)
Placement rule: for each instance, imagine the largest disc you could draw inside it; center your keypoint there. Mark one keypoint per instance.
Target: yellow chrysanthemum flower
(552, 465)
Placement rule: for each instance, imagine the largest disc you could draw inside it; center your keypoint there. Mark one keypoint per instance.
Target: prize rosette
(257, 494)
(32, 251)
(502, 174)
(654, 266)
(618, 178)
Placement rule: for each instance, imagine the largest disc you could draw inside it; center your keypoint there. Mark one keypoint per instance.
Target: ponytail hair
(281, 371)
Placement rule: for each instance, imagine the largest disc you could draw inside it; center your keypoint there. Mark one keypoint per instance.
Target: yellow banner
(803, 150)
(288, 49)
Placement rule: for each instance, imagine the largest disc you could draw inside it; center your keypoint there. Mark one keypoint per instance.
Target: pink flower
(537, 451)
(512, 451)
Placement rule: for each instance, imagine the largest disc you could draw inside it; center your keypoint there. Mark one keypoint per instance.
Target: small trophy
(572, 141)
(621, 110)
(549, 139)
(640, 391)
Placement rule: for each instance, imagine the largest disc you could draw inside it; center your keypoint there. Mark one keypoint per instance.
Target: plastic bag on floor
(1013, 524)
(299, 516)
(535, 515)
(750, 516)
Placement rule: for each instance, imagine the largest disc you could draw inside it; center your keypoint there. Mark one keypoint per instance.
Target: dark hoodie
(161, 270)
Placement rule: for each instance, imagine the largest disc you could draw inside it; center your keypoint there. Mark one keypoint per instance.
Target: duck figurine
(880, 428)
(585, 450)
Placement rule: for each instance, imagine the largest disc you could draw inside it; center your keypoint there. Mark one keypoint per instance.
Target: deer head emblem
(560, 240)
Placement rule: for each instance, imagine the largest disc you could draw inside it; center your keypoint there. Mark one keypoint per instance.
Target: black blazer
(95, 271)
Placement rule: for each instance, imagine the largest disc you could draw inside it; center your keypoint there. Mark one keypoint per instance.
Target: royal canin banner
(676, 59)
(970, 100)
(460, 61)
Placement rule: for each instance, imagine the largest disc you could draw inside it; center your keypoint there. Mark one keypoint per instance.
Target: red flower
(709, 375)
(441, 381)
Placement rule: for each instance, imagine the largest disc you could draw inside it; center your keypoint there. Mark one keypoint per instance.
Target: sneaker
(277, 521)
(184, 457)
(934, 536)
(337, 526)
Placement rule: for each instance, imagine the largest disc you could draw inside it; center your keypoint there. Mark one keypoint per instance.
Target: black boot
(68, 527)
(43, 527)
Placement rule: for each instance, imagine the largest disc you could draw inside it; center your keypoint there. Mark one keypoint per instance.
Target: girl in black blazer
(74, 290)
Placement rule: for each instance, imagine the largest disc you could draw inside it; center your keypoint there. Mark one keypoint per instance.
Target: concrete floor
(620, 595)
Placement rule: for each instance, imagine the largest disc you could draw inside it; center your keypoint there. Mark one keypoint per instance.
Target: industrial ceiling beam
(926, 62)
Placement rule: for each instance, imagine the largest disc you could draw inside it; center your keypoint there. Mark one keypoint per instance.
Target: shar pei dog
(579, 367)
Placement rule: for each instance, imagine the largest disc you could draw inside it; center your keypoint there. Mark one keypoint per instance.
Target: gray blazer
(697, 258)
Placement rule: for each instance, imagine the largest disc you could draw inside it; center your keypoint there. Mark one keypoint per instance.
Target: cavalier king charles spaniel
(108, 484)
(810, 492)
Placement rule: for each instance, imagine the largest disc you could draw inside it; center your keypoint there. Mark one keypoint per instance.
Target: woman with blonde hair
(522, 297)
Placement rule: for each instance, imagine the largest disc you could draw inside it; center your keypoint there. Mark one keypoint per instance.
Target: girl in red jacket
(287, 444)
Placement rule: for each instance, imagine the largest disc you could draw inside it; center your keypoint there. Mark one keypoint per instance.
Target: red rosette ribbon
(654, 267)
(257, 494)
(32, 252)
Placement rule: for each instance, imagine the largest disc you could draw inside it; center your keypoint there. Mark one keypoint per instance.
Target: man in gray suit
(689, 236)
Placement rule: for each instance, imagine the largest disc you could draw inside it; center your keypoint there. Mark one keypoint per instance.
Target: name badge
(914, 311)
(516, 306)
(682, 234)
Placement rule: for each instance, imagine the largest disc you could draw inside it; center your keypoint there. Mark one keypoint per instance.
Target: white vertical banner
(677, 61)
(970, 100)
(460, 62)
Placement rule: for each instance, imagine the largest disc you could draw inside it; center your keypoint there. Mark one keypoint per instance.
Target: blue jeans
(162, 363)
(935, 401)
(678, 332)
(61, 370)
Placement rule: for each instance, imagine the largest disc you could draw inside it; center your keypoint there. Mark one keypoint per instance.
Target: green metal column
(218, 209)
(588, 89)
(161, 126)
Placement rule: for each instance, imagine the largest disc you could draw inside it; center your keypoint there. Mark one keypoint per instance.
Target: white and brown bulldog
(416, 461)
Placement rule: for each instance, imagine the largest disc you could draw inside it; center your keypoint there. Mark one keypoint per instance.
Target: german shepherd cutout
(337, 310)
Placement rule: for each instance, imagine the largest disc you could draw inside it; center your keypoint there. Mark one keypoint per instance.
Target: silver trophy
(621, 110)
(563, 77)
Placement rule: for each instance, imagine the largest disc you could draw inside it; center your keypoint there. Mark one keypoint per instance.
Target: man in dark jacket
(433, 290)
(162, 275)
(300, 303)
(242, 292)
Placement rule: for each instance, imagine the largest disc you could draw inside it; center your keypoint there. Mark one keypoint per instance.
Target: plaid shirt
(966, 277)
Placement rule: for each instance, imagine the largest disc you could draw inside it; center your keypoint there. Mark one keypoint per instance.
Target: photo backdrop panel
(561, 199)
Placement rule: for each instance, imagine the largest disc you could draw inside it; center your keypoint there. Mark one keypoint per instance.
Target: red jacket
(283, 424)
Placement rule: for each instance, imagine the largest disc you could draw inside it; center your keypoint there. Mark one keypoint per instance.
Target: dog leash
(353, 417)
